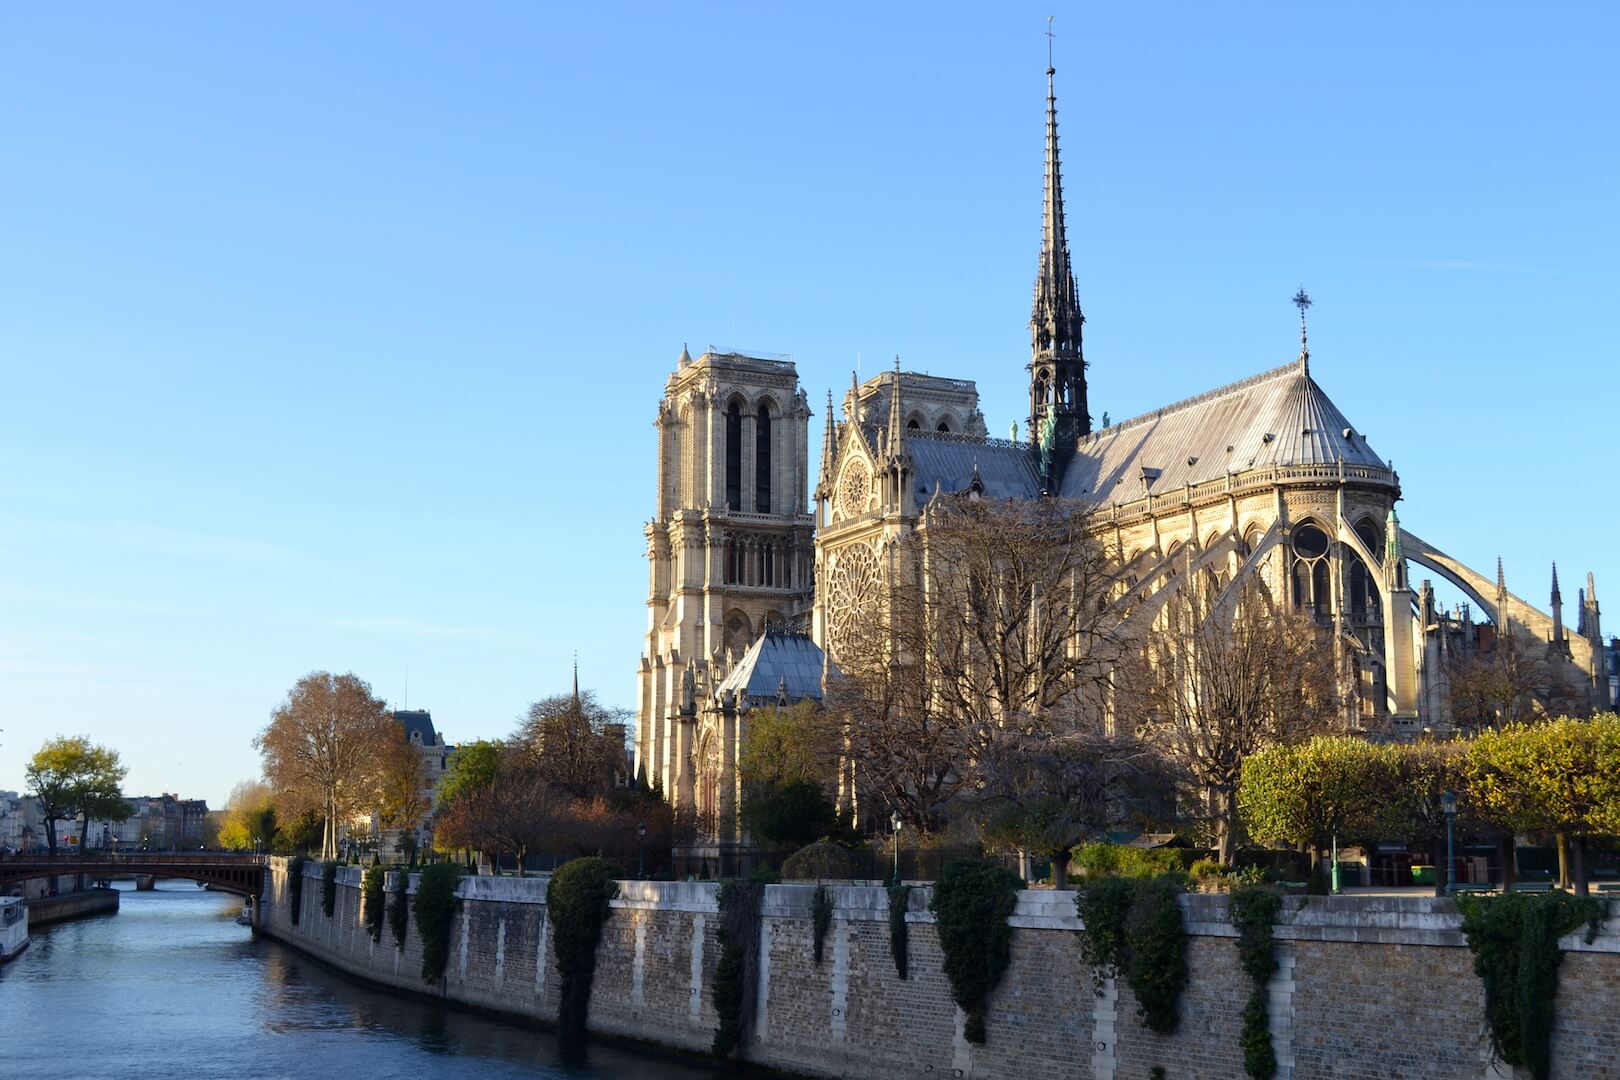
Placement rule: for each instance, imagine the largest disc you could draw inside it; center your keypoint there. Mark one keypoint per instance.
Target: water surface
(172, 987)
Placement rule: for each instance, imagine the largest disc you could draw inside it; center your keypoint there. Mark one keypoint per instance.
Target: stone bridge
(240, 874)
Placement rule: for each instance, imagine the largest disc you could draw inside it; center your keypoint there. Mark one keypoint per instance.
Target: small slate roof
(1006, 469)
(778, 654)
(1279, 417)
(418, 722)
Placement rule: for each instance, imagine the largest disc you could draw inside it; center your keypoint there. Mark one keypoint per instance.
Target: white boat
(13, 927)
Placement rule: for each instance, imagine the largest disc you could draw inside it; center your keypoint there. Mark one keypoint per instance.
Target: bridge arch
(242, 875)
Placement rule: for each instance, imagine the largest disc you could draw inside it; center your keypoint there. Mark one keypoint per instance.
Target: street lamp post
(641, 849)
(896, 823)
(1448, 803)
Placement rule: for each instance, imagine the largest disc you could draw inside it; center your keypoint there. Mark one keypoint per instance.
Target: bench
(1473, 888)
(1533, 886)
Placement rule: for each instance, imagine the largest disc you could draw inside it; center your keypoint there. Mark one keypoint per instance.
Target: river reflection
(171, 986)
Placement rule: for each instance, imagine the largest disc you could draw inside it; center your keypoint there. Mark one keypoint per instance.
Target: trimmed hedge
(295, 886)
(371, 887)
(1122, 860)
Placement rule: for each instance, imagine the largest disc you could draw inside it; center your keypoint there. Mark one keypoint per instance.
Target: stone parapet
(1367, 986)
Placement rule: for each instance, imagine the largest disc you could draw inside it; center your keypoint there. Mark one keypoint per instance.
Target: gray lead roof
(777, 655)
(1279, 417)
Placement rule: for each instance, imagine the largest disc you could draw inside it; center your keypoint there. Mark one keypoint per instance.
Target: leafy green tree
(70, 776)
(793, 814)
(472, 767)
(1310, 792)
(1561, 776)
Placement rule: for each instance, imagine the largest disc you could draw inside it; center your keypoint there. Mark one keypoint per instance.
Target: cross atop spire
(1302, 301)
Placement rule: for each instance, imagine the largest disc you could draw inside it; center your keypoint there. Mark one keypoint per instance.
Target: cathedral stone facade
(1263, 478)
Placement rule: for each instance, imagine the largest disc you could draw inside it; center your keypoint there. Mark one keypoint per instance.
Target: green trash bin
(1423, 875)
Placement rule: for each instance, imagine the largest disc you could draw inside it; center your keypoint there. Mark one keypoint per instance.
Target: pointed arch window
(762, 460)
(734, 457)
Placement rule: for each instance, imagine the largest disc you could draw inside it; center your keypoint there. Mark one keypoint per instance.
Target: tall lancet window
(762, 460)
(734, 457)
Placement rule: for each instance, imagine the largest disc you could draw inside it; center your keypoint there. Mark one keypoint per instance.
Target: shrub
(577, 904)
(899, 934)
(819, 862)
(1205, 868)
(329, 871)
(1514, 939)
(399, 908)
(1254, 913)
(1121, 860)
(821, 913)
(740, 902)
(371, 887)
(435, 910)
(971, 904)
(295, 886)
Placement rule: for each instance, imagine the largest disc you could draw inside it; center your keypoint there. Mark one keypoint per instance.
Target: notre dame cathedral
(1264, 476)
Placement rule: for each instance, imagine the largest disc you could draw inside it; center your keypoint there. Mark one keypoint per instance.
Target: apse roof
(1279, 417)
(776, 655)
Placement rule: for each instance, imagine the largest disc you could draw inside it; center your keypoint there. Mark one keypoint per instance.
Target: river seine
(172, 987)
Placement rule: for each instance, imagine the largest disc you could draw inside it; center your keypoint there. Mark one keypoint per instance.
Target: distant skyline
(331, 338)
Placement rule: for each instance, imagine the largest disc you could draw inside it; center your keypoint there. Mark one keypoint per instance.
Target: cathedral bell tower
(1058, 415)
(730, 552)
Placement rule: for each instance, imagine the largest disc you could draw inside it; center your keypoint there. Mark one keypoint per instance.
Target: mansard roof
(1279, 417)
(419, 723)
(1005, 469)
(777, 655)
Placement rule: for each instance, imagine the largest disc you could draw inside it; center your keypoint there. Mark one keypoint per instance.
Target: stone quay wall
(1367, 987)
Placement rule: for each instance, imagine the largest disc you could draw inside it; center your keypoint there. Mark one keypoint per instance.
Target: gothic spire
(1057, 367)
(1055, 319)
(1557, 607)
(827, 445)
(896, 426)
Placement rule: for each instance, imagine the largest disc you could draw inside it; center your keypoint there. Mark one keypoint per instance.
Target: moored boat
(13, 927)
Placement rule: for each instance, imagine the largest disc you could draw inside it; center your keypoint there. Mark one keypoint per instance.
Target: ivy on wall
(740, 903)
(899, 935)
(821, 913)
(399, 908)
(295, 887)
(435, 910)
(1254, 912)
(577, 903)
(1133, 928)
(371, 887)
(1514, 939)
(971, 904)
(328, 887)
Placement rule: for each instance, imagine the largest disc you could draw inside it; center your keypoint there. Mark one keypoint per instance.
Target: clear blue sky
(331, 335)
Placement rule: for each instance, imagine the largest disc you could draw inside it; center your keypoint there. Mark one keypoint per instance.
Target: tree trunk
(1225, 826)
(1437, 856)
(1577, 845)
(1508, 849)
(1060, 869)
(1561, 841)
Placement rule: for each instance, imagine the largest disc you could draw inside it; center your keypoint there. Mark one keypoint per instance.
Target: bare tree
(994, 618)
(1513, 682)
(519, 811)
(1047, 792)
(1217, 679)
(574, 741)
(326, 747)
